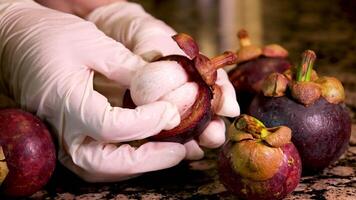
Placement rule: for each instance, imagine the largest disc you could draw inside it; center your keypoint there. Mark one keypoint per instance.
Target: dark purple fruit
(313, 108)
(247, 77)
(28, 153)
(321, 131)
(254, 65)
(259, 163)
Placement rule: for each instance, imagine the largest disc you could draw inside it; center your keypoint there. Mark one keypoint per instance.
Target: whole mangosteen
(27, 153)
(259, 163)
(312, 107)
(254, 65)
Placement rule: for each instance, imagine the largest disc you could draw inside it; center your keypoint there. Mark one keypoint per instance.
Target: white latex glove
(150, 38)
(47, 64)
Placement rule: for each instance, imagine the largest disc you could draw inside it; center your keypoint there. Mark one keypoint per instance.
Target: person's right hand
(47, 64)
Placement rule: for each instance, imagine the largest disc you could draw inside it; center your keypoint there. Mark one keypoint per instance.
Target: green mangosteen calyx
(331, 89)
(275, 85)
(256, 152)
(4, 170)
(308, 87)
(304, 83)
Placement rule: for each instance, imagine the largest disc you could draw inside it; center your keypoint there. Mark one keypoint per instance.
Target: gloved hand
(47, 64)
(150, 38)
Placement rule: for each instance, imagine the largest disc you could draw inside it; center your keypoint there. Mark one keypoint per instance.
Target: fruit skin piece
(321, 131)
(29, 152)
(248, 76)
(260, 171)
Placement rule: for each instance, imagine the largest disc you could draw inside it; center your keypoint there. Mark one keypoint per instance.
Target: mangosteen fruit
(254, 65)
(27, 153)
(259, 163)
(203, 71)
(312, 107)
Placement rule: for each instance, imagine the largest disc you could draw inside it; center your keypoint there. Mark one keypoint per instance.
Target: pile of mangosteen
(309, 125)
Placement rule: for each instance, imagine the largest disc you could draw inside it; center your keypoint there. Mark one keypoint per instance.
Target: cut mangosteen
(202, 71)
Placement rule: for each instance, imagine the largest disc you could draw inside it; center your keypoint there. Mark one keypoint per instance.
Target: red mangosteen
(312, 107)
(201, 70)
(259, 163)
(27, 153)
(254, 65)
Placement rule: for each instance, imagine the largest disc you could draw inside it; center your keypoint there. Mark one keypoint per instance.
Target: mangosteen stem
(305, 69)
(227, 58)
(251, 125)
(244, 38)
(246, 125)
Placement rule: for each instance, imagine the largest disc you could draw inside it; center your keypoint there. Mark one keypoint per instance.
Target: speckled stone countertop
(327, 26)
(200, 180)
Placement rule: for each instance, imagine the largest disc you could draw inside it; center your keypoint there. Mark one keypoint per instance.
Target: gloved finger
(89, 109)
(131, 25)
(228, 104)
(155, 80)
(214, 134)
(193, 151)
(109, 57)
(102, 162)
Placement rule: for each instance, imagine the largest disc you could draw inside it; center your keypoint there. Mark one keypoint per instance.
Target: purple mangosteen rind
(321, 131)
(202, 71)
(247, 77)
(28, 150)
(277, 187)
(275, 182)
(258, 162)
(254, 65)
(313, 108)
(256, 154)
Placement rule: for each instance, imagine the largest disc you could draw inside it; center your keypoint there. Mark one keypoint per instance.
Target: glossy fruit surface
(259, 163)
(247, 77)
(29, 153)
(321, 131)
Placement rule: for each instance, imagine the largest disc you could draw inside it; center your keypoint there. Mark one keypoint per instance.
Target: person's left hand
(150, 38)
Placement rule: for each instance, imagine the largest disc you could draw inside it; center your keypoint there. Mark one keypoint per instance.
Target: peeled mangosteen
(27, 153)
(259, 163)
(312, 107)
(202, 70)
(254, 65)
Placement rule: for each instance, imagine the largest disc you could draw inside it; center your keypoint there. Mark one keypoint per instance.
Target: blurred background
(326, 26)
